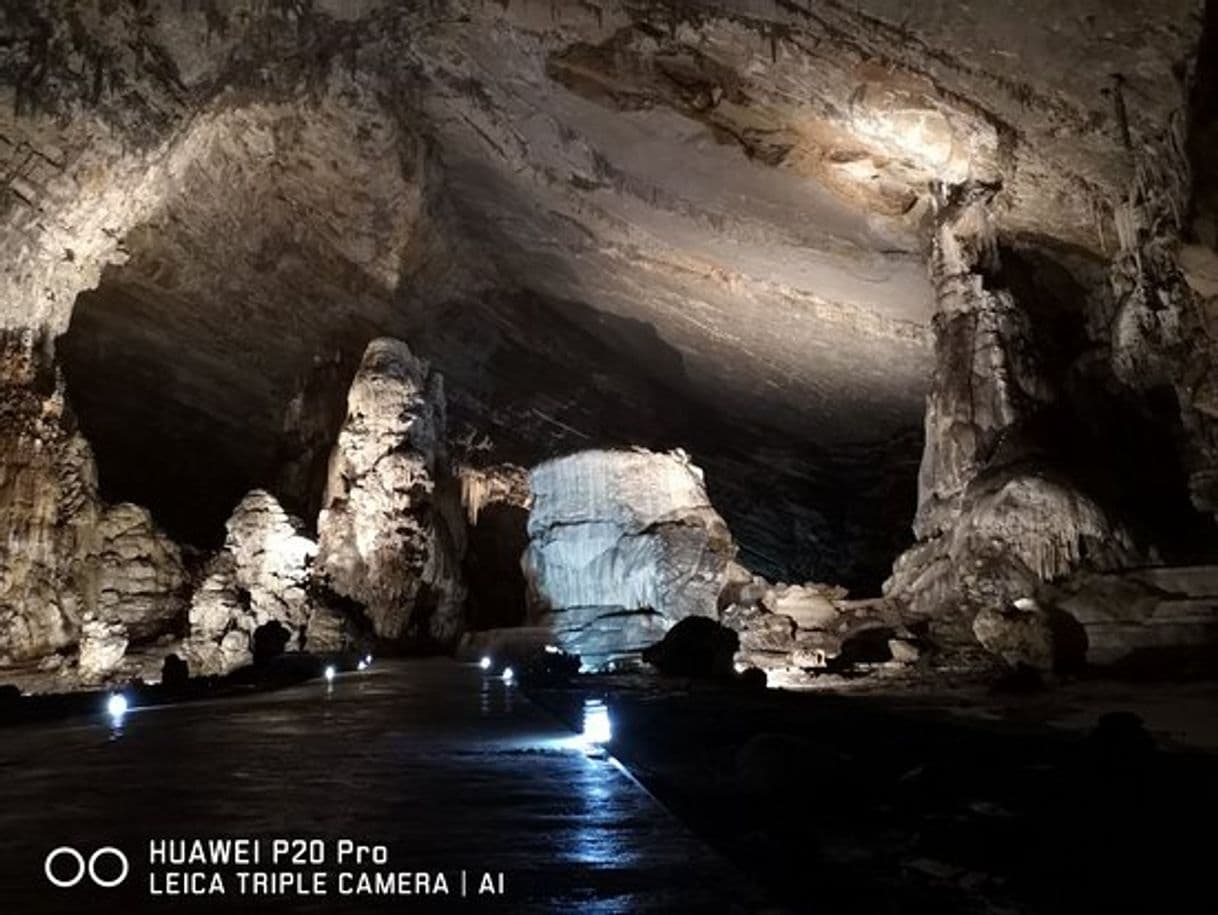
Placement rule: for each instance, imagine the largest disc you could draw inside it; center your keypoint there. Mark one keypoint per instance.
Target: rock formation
(262, 576)
(652, 224)
(496, 502)
(997, 514)
(141, 580)
(75, 573)
(389, 535)
(792, 631)
(622, 545)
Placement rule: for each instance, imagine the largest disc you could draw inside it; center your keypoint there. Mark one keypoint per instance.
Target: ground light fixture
(329, 673)
(116, 707)
(485, 663)
(508, 675)
(598, 727)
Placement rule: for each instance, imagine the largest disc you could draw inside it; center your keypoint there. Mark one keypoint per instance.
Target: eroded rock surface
(622, 545)
(390, 535)
(141, 580)
(998, 514)
(262, 576)
(74, 572)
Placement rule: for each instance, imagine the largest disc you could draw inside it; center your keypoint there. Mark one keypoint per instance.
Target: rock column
(391, 533)
(996, 516)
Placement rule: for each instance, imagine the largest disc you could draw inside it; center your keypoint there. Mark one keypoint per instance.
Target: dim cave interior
(841, 348)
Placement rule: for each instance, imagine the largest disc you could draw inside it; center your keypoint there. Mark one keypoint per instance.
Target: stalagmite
(390, 533)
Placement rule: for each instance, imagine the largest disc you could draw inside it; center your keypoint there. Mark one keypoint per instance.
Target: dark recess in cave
(492, 567)
(184, 426)
(182, 423)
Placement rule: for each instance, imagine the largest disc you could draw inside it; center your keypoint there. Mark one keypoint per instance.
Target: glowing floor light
(598, 729)
(362, 665)
(330, 673)
(117, 706)
(485, 663)
(508, 675)
(367, 660)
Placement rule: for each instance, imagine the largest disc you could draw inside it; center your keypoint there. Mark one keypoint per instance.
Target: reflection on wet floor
(450, 767)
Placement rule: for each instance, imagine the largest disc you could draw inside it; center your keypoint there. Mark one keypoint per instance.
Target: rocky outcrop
(48, 506)
(997, 514)
(262, 576)
(1145, 618)
(622, 545)
(102, 647)
(141, 580)
(75, 573)
(796, 630)
(390, 535)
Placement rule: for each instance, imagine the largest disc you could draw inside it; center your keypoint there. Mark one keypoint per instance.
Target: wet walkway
(454, 772)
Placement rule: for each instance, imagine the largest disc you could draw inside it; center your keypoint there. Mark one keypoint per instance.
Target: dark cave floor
(1092, 796)
(881, 796)
(450, 768)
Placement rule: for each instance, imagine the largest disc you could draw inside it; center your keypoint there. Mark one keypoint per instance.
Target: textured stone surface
(141, 581)
(1144, 617)
(727, 196)
(622, 545)
(389, 533)
(102, 646)
(68, 556)
(261, 576)
(725, 203)
(48, 508)
(1000, 509)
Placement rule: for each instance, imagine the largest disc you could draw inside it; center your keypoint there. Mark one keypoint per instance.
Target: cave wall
(655, 223)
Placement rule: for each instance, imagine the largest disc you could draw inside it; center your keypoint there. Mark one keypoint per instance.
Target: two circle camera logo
(68, 875)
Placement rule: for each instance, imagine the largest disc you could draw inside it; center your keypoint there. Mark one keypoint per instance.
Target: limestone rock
(695, 647)
(1144, 616)
(766, 639)
(48, 507)
(141, 581)
(261, 576)
(67, 556)
(389, 533)
(1025, 633)
(623, 544)
(272, 558)
(102, 646)
(807, 605)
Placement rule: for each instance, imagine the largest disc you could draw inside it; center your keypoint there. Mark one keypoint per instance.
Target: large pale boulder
(622, 545)
(388, 537)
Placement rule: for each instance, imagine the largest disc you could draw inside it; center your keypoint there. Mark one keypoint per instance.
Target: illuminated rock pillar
(391, 533)
(996, 518)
